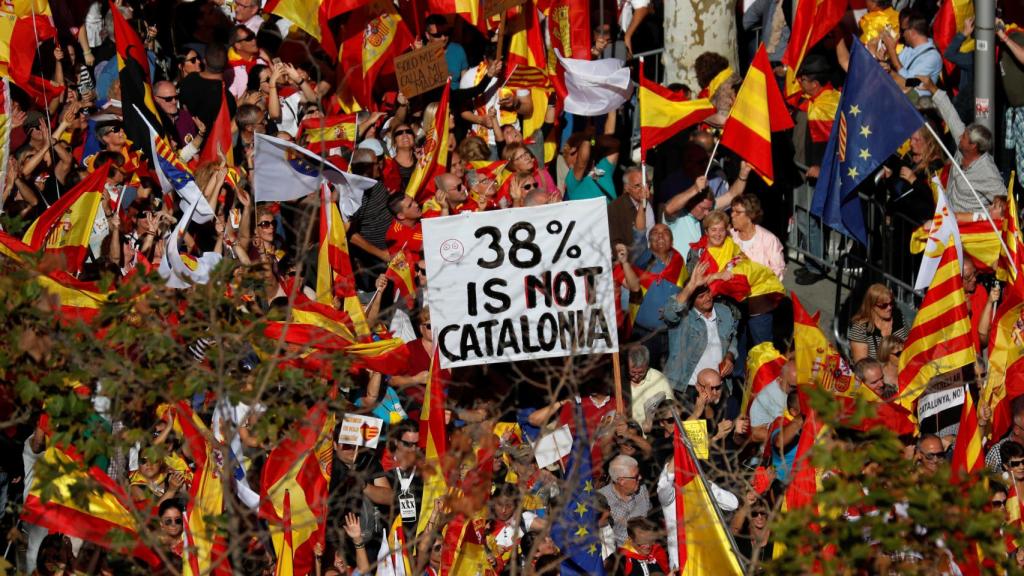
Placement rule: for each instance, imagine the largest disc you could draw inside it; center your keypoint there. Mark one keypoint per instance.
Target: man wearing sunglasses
(452, 197)
(405, 476)
(437, 30)
(186, 131)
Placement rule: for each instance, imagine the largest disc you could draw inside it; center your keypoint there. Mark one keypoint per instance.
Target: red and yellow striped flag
(294, 499)
(949, 20)
(1006, 349)
(1014, 515)
(67, 496)
(968, 456)
(664, 113)
(1011, 236)
(63, 230)
(435, 150)
(758, 111)
(434, 441)
(940, 340)
(525, 40)
(980, 242)
(812, 21)
(334, 275)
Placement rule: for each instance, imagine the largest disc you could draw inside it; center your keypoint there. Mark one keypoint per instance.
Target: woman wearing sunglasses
(877, 318)
(751, 531)
(172, 514)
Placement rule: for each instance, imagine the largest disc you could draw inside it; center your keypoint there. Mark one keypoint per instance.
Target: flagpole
(712, 159)
(977, 196)
(643, 152)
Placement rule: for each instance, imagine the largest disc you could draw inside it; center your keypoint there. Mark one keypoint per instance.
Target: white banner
(359, 430)
(935, 402)
(521, 284)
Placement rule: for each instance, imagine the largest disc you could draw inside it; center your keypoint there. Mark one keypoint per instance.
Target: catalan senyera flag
(664, 113)
(812, 21)
(940, 340)
(1006, 348)
(63, 230)
(334, 276)
(758, 111)
(133, 70)
(206, 553)
(748, 277)
(435, 150)
(371, 39)
(400, 273)
(69, 497)
(968, 453)
(703, 543)
(218, 141)
(434, 441)
(294, 499)
(949, 20)
(322, 134)
(942, 226)
(1011, 236)
(764, 365)
(78, 300)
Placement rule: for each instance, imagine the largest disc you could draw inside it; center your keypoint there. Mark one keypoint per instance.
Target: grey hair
(639, 356)
(630, 170)
(865, 364)
(622, 465)
(980, 136)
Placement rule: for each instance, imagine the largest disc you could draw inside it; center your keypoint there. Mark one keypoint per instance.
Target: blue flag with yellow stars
(874, 119)
(574, 529)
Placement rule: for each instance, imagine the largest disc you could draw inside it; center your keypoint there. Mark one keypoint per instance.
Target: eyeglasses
(438, 34)
(176, 521)
(192, 60)
(425, 325)
(404, 132)
(714, 388)
(934, 455)
(171, 98)
(999, 502)
(266, 224)
(110, 130)
(523, 155)
(408, 444)
(759, 514)
(1015, 463)
(245, 38)
(634, 478)
(530, 186)
(883, 305)
(421, 270)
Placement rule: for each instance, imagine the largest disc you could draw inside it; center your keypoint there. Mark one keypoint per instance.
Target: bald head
(166, 96)
(709, 384)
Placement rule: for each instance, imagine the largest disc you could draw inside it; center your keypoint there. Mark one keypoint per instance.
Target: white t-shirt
(712, 356)
(626, 9)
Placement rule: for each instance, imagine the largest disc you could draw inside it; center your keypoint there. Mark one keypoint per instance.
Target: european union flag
(574, 529)
(874, 119)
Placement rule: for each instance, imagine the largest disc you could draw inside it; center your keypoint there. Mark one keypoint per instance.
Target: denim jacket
(687, 339)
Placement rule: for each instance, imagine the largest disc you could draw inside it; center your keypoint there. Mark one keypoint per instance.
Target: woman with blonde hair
(876, 318)
(889, 355)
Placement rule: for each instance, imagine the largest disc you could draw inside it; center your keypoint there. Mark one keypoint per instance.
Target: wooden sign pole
(620, 406)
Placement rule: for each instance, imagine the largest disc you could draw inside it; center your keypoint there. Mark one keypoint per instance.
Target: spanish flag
(758, 111)
(813, 20)
(435, 151)
(218, 141)
(24, 26)
(334, 275)
(749, 278)
(77, 300)
(373, 36)
(940, 340)
(968, 455)
(63, 230)
(1006, 349)
(1014, 515)
(764, 365)
(703, 544)
(468, 10)
(525, 40)
(821, 113)
(322, 134)
(434, 442)
(949, 21)
(1011, 236)
(664, 113)
(133, 70)
(400, 273)
(294, 499)
(67, 496)
(206, 552)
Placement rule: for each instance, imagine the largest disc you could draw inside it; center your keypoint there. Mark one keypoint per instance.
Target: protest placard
(359, 430)
(697, 432)
(552, 447)
(521, 284)
(421, 70)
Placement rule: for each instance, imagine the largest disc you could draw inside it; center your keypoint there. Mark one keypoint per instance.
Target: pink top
(763, 248)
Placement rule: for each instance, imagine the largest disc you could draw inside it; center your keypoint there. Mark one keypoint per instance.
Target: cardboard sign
(697, 432)
(496, 7)
(421, 70)
(940, 401)
(553, 447)
(521, 284)
(359, 430)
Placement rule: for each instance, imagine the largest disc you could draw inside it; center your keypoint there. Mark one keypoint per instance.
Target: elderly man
(929, 454)
(647, 386)
(660, 269)
(451, 197)
(869, 371)
(624, 497)
(369, 225)
(974, 145)
(702, 333)
(187, 132)
(705, 402)
(770, 402)
(624, 213)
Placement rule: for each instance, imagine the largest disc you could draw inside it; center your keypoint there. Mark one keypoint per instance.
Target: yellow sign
(697, 432)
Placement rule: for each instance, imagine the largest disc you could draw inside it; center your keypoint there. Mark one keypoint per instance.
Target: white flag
(172, 265)
(286, 171)
(943, 225)
(595, 86)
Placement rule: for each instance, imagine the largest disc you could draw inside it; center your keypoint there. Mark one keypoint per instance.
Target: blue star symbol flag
(874, 119)
(574, 528)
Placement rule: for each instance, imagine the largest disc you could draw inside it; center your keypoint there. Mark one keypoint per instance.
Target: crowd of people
(698, 240)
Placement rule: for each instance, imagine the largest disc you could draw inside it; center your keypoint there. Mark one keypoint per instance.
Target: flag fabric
(400, 273)
(183, 270)
(1008, 263)
(78, 300)
(218, 140)
(940, 340)
(804, 477)
(206, 551)
(595, 87)
(373, 36)
(468, 10)
(83, 502)
(135, 75)
(968, 455)
(173, 175)
(812, 21)
(64, 229)
(979, 241)
(391, 559)
(5, 126)
(295, 480)
(574, 528)
(435, 150)
(434, 442)
(943, 226)
(875, 118)
(749, 278)
(702, 541)
(821, 113)
(949, 21)
(285, 171)
(1006, 349)
(569, 27)
(334, 276)
(26, 26)
(758, 111)
(664, 113)
(323, 135)
(764, 365)
(525, 40)
(1014, 514)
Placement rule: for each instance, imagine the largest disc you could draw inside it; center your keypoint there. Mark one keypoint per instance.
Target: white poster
(935, 402)
(521, 283)
(359, 430)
